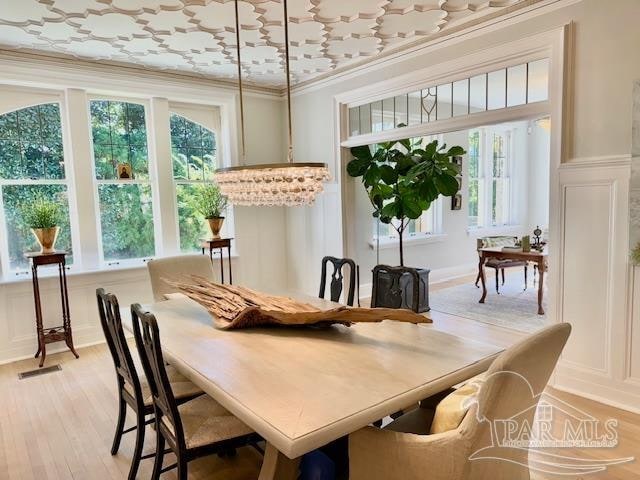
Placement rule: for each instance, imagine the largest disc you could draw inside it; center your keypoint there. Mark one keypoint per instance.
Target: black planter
(401, 287)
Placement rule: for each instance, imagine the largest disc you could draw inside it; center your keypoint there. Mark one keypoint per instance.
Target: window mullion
(77, 137)
(161, 174)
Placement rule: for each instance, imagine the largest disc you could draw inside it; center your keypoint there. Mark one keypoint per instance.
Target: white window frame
(152, 182)
(183, 111)
(485, 180)
(6, 272)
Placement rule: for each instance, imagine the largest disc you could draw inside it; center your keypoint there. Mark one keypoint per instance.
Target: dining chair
(177, 268)
(410, 448)
(337, 278)
(499, 265)
(192, 430)
(133, 390)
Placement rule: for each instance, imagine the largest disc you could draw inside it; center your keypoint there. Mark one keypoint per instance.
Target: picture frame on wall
(125, 171)
(456, 202)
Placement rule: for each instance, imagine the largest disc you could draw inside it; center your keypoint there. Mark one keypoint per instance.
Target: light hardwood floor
(60, 425)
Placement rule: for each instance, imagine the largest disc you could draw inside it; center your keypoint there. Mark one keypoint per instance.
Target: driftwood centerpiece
(234, 307)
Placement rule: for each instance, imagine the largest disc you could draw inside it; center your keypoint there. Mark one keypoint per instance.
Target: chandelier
(277, 184)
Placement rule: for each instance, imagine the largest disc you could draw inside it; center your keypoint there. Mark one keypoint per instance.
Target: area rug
(513, 308)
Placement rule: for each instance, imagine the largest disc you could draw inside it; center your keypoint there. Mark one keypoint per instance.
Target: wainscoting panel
(633, 372)
(595, 282)
(17, 319)
(588, 209)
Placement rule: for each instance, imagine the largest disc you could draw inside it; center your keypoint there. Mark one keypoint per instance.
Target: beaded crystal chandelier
(277, 184)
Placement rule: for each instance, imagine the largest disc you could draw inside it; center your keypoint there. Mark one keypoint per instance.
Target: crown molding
(50, 62)
(501, 19)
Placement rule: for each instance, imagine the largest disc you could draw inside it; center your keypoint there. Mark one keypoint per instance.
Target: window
(122, 176)
(193, 153)
(489, 158)
(508, 87)
(427, 224)
(31, 165)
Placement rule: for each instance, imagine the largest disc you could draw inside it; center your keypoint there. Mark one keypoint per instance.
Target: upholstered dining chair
(499, 265)
(410, 448)
(337, 277)
(133, 389)
(177, 268)
(192, 430)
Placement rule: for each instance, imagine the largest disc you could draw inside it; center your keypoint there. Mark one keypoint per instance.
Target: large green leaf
(358, 166)
(447, 185)
(362, 152)
(388, 174)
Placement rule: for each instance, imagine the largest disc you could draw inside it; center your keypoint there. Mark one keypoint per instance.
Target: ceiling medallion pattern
(198, 36)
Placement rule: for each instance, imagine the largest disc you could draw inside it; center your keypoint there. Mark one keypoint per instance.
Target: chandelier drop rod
(287, 60)
(240, 83)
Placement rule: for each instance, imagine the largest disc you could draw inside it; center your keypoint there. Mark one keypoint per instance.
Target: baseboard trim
(438, 275)
(61, 348)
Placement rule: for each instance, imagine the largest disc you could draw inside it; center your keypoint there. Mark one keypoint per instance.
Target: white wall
(259, 232)
(601, 73)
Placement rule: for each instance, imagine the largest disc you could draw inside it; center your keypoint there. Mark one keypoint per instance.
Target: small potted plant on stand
(402, 179)
(42, 216)
(212, 204)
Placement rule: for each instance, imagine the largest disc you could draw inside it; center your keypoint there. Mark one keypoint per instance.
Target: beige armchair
(176, 268)
(511, 389)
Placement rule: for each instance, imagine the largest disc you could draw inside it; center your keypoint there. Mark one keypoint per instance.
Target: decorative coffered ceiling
(198, 36)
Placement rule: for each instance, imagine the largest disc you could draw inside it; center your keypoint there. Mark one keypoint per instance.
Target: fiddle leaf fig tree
(403, 178)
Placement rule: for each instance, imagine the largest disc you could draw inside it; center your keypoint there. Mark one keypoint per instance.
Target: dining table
(301, 388)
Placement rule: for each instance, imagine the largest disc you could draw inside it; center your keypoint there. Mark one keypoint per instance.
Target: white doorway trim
(553, 44)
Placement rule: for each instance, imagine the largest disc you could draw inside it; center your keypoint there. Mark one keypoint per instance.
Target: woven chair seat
(181, 386)
(498, 263)
(205, 421)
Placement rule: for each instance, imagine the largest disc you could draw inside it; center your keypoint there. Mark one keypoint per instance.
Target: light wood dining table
(303, 388)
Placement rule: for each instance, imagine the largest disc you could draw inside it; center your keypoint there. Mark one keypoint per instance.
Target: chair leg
(478, 280)
(182, 468)
(137, 451)
(503, 276)
(157, 464)
(497, 281)
(525, 277)
(122, 416)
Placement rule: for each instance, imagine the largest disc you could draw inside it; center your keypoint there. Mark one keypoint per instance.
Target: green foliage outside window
(119, 136)
(193, 153)
(126, 215)
(31, 149)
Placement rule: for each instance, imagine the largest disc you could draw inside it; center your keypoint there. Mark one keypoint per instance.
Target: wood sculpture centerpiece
(234, 307)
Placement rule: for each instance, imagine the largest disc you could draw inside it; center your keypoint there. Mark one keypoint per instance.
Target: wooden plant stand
(62, 332)
(219, 244)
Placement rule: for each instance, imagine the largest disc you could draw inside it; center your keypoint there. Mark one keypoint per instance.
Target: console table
(219, 244)
(51, 334)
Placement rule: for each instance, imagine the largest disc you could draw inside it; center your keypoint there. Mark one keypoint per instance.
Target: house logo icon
(546, 436)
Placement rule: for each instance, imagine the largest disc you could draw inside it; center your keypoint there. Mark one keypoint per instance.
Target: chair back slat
(337, 279)
(111, 323)
(147, 336)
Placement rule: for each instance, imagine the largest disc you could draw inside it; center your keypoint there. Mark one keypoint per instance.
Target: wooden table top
(499, 252)
(302, 388)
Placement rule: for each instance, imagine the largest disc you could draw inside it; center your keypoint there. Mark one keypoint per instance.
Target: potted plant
(402, 178)
(211, 203)
(42, 216)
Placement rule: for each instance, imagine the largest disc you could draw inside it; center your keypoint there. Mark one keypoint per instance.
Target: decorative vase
(46, 238)
(215, 224)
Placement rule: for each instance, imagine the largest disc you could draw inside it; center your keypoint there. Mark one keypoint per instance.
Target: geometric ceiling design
(198, 36)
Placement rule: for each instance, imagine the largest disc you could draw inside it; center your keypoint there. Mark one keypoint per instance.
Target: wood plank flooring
(60, 425)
